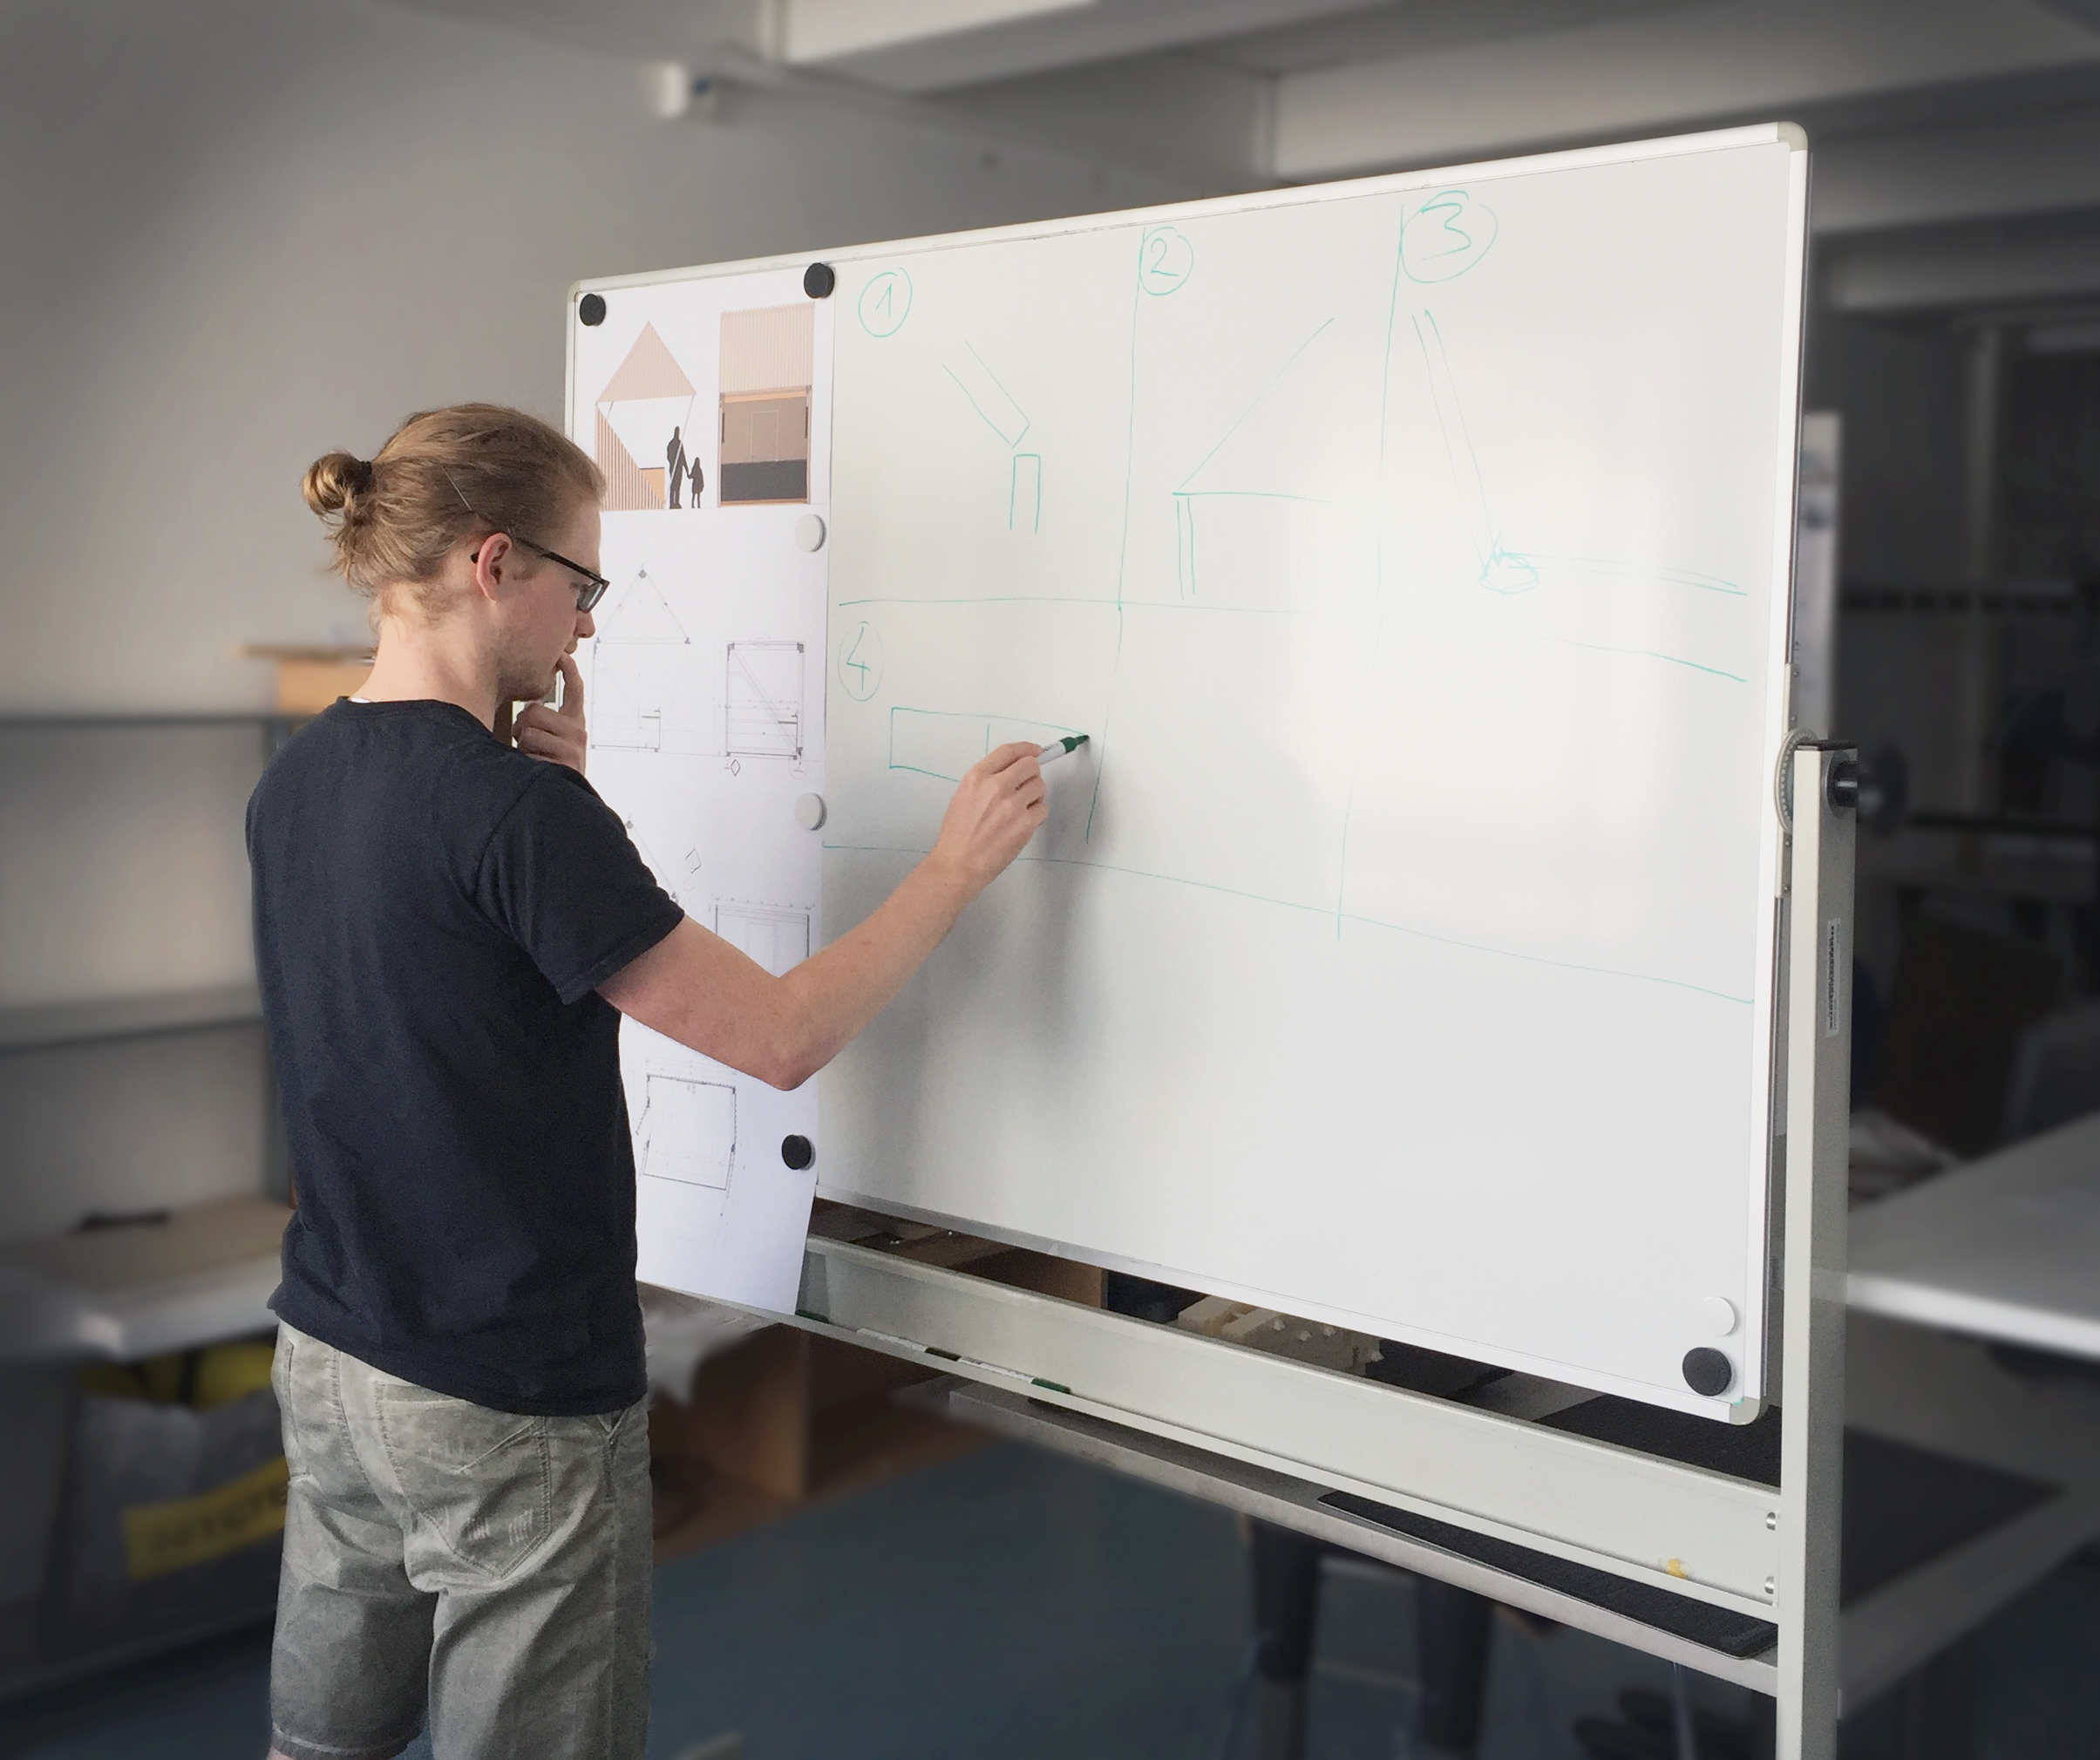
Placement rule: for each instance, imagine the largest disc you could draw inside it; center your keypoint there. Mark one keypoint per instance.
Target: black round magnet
(798, 1154)
(819, 279)
(1708, 1372)
(591, 309)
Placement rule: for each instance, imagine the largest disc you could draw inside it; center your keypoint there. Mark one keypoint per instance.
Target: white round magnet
(809, 532)
(1719, 1314)
(809, 811)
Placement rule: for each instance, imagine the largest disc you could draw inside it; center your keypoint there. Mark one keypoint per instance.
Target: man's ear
(493, 558)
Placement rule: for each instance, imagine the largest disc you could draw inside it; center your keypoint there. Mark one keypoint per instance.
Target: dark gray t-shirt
(434, 911)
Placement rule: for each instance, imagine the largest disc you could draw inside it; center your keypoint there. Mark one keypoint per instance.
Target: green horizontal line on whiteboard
(1346, 916)
(1652, 654)
(1255, 495)
(1111, 604)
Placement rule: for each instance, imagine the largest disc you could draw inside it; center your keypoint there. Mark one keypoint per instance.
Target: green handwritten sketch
(1261, 456)
(943, 742)
(1024, 499)
(1501, 570)
(1165, 260)
(1446, 236)
(886, 301)
(861, 660)
(991, 400)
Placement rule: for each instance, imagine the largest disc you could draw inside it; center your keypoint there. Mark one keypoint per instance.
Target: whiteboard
(1415, 550)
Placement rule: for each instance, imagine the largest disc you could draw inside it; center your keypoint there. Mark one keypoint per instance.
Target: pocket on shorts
(283, 1378)
(481, 1480)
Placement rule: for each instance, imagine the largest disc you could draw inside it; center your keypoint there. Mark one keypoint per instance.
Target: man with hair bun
(449, 924)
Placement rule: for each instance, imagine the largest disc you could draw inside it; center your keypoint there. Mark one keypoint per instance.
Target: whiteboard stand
(1276, 1438)
(1825, 784)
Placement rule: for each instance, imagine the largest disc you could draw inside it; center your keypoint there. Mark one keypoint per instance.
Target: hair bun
(334, 481)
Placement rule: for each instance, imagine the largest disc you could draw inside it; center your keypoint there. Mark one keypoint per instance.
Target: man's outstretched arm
(695, 988)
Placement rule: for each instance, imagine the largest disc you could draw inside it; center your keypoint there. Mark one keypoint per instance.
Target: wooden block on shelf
(787, 1416)
(747, 1416)
(309, 679)
(782, 1418)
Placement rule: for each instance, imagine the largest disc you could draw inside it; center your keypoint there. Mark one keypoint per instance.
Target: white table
(2007, 1248)
(203, 1275)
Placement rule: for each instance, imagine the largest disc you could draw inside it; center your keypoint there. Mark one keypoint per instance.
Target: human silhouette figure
(699, 482)
(674, 467)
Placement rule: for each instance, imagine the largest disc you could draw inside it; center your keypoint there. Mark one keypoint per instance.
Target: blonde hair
(445, 475)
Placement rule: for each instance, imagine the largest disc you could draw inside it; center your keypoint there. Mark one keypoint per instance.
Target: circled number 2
(1164, 258)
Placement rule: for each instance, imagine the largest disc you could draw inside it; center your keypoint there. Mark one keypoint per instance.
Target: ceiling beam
(1655, 74)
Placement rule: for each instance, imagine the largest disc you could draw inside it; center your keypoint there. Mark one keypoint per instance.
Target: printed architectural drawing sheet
(706, 404)
(1400, 951)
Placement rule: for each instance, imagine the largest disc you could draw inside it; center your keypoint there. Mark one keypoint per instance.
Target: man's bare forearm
(697, 988)
(833, 995)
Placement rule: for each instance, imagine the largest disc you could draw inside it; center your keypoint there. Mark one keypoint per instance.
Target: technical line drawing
(638, 663)
(687, 1130)
(627, 711)
(946, 743)
(1165, 259)
(777, 936)
(768, 369)
(643, 614)
(1024, 499)
(885, 302)
(861, 660)
(764, 713)
(640, 413)
(1446, 236)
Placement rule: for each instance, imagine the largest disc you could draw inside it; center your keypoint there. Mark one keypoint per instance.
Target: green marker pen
(1056, 749)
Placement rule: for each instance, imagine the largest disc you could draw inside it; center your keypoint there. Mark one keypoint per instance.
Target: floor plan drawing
(639, 662)
(763, 700)
(777, 936)
(688, 1131)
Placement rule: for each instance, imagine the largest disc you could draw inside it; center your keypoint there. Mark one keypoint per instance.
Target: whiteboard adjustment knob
(809, 811)
(809, 532)
(1719, 1315)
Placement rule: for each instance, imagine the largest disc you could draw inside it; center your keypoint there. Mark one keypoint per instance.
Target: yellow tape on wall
(160, 1537)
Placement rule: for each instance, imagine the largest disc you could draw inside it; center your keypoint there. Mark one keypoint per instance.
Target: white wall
(239, 233)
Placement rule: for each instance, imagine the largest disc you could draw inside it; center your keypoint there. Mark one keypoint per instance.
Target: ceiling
(1938, 122)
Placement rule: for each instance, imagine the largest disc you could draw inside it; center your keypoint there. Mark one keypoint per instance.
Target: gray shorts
(488, 1571)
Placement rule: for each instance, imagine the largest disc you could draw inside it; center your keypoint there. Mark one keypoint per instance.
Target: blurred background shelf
(137, 1288)
(128, 1018)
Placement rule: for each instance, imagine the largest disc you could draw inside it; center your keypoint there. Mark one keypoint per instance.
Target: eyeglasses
(589, 591)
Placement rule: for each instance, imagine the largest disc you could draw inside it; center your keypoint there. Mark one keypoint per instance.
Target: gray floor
(1014, 1603)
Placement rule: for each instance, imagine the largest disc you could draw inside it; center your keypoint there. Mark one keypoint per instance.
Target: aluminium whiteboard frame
(1754, 1379)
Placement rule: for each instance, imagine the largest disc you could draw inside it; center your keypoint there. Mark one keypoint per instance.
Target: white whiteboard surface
(1415, 551)
(704, 697)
